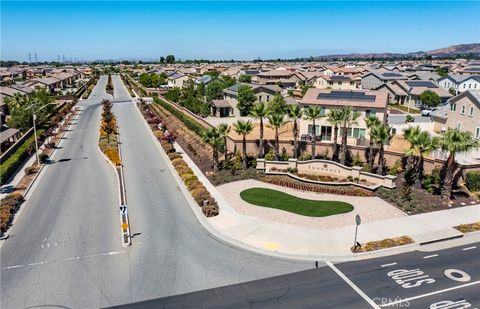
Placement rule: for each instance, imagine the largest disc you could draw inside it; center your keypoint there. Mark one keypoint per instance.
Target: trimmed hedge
(188, 121)
(10, 165)
(8, 207)
(472, 181)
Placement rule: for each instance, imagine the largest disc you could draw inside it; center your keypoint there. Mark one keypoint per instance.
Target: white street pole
(35, 133)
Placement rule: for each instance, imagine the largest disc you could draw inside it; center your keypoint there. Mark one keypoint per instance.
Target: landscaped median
(383, 244)
(467, 228)
(197, 189)
(108, 141)
(279, 200)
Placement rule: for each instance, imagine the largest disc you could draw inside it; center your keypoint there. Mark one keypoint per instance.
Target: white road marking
(389, 264)
(430, 294)
(64, 260)
(350, 283)
(469, 248)
(430, 256)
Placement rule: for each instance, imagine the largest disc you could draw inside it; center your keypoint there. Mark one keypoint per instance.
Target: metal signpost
(358, 221)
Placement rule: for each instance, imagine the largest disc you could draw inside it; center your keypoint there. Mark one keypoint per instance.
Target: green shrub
(396, 168)
(43, 157)
(305, 156)
(284, 155)
(8, 167)
(472, 181)
(188, 121)
(357, 160)
(269, 156)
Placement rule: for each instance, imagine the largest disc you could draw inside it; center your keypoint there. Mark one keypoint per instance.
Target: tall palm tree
(411, 135)
(295, 113)
(224, 129)
(260, 111)
(381, 135)
(313, 113)
(276, 121)
(212, 137)
(349, 118)
(425, 143)
(244, 128)
(454, 141)
(334, 117)
(371, 122)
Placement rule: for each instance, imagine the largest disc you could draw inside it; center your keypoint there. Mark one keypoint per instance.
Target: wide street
(65, 248)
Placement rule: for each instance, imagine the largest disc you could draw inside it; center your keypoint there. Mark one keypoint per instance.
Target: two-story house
(336, 82)
(451, 81)
(470, 83)
(366, 102)
(464, 113)
(375, 79)
(286, 78)
(407, 92)
(176, 80)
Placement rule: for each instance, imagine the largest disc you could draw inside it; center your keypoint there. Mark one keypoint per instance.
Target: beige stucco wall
(467, 122)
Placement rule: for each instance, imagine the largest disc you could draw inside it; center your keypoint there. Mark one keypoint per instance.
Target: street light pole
(35, 134)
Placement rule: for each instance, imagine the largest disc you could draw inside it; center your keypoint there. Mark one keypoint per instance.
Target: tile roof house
(464, 112)
(337, 82)
(176, 80)
(374, 79)
(366, 102)
(286, 78)
(407, 92)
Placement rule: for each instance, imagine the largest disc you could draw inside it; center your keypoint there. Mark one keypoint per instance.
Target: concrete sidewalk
(334, 244)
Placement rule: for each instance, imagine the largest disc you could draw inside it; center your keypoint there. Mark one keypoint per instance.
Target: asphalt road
(323, 288)
(65, 248)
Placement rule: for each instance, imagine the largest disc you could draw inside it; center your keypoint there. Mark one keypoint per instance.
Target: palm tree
(313, 113)
(260, 111)
(244, 128)
(295, 113)
(349, 117)
(381, 135)
(411, 134)
(371, 122)
(212, 137)
(425, 143)
(454, 141)
(224, 129)
(334, 118)
(276, 121)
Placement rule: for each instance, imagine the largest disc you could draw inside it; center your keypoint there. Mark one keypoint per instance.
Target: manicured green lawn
(279, 200)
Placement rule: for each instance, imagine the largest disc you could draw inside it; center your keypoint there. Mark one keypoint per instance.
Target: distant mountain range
(454, 50)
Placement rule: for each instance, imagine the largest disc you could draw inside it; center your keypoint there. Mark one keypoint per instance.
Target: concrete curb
(233, 243)
(125, 233)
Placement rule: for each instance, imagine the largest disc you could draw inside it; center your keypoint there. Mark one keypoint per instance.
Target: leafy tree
(246, 99)
(173, 95)
(452, 91)
(214, 90)
(213, 137)
(245, 79)
(277, 104)
(21, 117)
(454, 141)
(410, 134)
(276, 120)
(442, 71)
(244, 128)
(371, 122)
(162, 59)
(295, 113)
(349, 118)
(260, 111)
(381, 135)
(334, 117)
(313, 113)
(170, 59)
(213, 74)
(429, 98)
(228, 81)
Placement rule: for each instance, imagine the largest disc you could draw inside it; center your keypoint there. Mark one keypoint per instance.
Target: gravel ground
(369, 208)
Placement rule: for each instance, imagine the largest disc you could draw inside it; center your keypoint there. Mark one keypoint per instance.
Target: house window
(471, 111)
(477, 133)
(259, 98)
(322, 111)
(370, 113)
(463, 110)
(453, 107)
(326, 132)
(268, 98)
(317, 129)
(356, 132)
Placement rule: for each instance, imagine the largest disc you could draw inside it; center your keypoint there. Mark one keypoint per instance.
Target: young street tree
(371, 122)
(429, 98)
(224, 129)
(454, 141)
(295, 113)
(260, 111)
(246, 99)
(243, 128)
(276, 120)
(277, 104)
(381, 135)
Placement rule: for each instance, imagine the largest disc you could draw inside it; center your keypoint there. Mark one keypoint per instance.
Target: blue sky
(224, 30)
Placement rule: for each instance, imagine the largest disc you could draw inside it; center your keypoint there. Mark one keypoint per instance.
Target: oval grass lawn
(279, 200)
